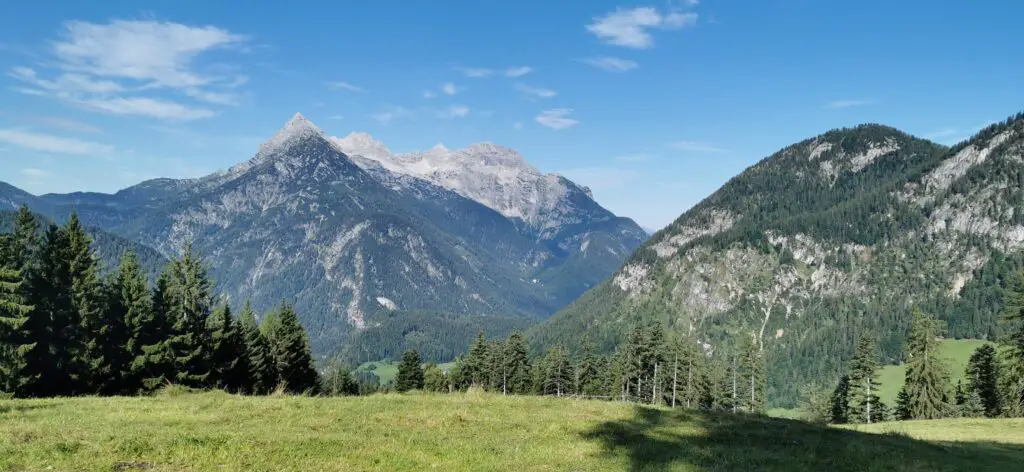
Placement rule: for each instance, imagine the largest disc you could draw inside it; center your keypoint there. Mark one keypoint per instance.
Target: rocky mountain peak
(297, 127)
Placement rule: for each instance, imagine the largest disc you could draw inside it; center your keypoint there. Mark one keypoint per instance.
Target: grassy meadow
(387, 370)
(957, 353)
(473, 431)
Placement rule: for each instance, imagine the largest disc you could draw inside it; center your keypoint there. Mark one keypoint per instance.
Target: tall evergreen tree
(1012, 324)
(558, 376)
(53, 365)
(927, 378)
(864, 401)
(290, 347)
(189, 300)
(13, 316)
(260, 361)
(839, 411)
(903, 411)
(515, 365)
(105, 362)
(476, 365)
(229, 364)
(156, 364)
(983, 377)
(588, 377)
(129, 302)
(410, 372)
(753, 375)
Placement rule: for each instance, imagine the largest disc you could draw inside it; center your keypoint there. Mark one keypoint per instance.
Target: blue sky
(654, 104)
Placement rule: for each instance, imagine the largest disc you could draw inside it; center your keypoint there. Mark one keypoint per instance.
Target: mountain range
(827, 240)
(371, 245)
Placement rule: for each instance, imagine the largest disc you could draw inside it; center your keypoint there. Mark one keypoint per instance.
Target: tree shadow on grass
(659, 439)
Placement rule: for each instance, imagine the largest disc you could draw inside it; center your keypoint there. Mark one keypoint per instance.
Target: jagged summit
(296, 127)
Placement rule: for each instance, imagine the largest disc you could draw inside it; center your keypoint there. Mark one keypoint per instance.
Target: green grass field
(386, 371)
(956, 351)
(217, 431)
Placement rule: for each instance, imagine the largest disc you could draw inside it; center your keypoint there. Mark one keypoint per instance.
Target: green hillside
(956, 351)
(217, 431)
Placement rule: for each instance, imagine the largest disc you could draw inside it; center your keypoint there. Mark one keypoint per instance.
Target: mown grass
(957, 352)
(217, 431)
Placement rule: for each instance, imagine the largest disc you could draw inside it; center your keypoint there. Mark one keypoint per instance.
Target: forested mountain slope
(826, 240)
(359, 248)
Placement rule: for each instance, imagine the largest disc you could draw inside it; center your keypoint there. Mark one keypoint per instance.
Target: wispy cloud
(454, 111)
(536, 92)
(390, 114)
(556, 118)
(518, 71)
(695, 146)
(611, 64)
(339, 85)
(33, 173)
(475, 72)
(118, 67)
(449, 89)
(839, 104)
(630, 27)
(55, 144)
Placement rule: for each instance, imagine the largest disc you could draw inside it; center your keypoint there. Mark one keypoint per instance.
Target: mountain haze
(829, 239)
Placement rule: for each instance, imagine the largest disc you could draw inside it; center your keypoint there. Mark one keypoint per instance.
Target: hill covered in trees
(828, 239)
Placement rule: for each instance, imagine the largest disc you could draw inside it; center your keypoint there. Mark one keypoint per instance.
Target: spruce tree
(53, 363)
(864, 401)
(103, 333)
(972, 407)
(588, 379)
(476, 365)
(410, 373)
(129, 301)
(927, 377)
(839, 410)
(515, 365)
(13, 316)
(262, 376)
(752, 369)
(983, 377)
(903, 411)
(229, 364)
(155, 366)
(290, 348)
(1012, 368)
(558, 376)
(189, 301)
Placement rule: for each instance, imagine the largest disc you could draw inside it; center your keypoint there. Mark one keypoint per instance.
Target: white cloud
(454, 111)
(629, 28)
(475, 72)
(449, 89)
(837, 104)
(695, 146)
(556, 118)
(611, 64)
(518, 71)
(119, 67)
(151, 107)
(54, 144)
(390, 114)
(601, 178)
(344, 86)
(536, 92)
(429, 94)
(35, 173)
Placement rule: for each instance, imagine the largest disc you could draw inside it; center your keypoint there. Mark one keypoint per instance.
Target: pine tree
(752, 369)
(189, 299)
(864, 401)
(262, 378)
(972, 407)
(155, 366)
(983, 377)
(53, 364)
(290, 348)
(515, 365)
(903, 411)
(476, 365)
(558, 376)
(13, 316)
(103, 335)
(927, 378)
(588, 381)
(1012, 367)
(410, 373)
(839, 411)
(228, 360)
(129, 311)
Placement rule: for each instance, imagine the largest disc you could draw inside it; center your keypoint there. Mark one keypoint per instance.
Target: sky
(653, 105)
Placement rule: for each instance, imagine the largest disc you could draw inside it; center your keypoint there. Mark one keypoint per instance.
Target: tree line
(67, 330)
(652, 367)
